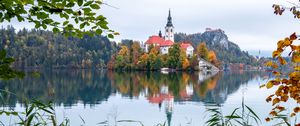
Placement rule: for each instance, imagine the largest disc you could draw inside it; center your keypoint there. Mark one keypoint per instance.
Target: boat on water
(167, 70)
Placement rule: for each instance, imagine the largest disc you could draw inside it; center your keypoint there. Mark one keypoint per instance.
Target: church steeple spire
(169, 33)
(169, 24)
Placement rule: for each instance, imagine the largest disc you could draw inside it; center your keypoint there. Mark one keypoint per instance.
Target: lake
(149, 97)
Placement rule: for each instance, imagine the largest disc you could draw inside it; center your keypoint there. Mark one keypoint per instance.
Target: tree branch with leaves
(71, 17)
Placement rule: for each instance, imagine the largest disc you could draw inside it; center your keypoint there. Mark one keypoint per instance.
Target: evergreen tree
(173, 59)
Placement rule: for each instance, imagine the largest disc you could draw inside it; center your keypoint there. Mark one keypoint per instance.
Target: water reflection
(93, 87)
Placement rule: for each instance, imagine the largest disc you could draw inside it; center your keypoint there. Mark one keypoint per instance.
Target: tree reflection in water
(92, 87)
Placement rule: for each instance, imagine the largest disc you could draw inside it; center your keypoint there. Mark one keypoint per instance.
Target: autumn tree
(184, 59)
(202, 51)
(154, 58)
(143, 61)
(136, 52)
(122, 58)
(212, 58)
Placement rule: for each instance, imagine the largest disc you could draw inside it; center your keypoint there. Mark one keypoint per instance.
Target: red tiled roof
(160, 98)
(185, 45)
(156, 99)
(167, 43)
(159, 41)
(155, 40)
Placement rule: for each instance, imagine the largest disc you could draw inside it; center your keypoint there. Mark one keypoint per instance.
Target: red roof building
(156, 40)
(185, 45)
(188, 48)
(159, 41)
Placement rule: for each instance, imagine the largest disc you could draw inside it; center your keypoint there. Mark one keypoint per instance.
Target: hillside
(217, 40)
(44, 49)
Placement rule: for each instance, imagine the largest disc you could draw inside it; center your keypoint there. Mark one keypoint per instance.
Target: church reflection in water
(165, 97)
(93, 87)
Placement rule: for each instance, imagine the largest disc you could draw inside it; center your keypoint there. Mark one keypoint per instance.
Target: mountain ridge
(216, 40)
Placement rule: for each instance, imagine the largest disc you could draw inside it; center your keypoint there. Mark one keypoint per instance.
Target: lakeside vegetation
(131, 56)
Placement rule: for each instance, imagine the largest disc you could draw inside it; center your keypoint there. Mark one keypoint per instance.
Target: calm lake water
(175, 98)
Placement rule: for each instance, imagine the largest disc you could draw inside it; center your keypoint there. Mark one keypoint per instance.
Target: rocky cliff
(217, 40)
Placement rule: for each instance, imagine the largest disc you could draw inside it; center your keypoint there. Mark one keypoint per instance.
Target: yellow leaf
(284, 98)
(275, 54)
(280, 44)
(269, 63)
(281, 60)
(287, 42)
(275, 101)
(269, 85)
(293, 74)
(295, 57)
(294, 47)
(297, 68)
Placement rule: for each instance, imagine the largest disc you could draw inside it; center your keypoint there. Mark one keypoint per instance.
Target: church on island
(167, 41)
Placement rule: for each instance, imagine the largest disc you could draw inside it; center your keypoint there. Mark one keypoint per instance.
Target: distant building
(188, 48)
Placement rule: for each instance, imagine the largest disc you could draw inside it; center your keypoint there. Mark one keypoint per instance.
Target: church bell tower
(169, 33)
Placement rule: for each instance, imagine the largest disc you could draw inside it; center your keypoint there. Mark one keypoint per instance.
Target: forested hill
(217, 40)
(39, 48)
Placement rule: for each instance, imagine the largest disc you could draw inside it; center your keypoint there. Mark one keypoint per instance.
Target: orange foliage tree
(213, 58)
(202, 51)
(287, 87)
(184, 59)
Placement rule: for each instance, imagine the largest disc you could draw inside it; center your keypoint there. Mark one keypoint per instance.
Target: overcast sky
(249, 23)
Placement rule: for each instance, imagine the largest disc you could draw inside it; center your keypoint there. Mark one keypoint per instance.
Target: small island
(163, 53)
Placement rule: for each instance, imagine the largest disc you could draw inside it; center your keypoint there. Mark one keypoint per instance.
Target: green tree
(194, 63)
(40, 12)
(157, 63)
(174, 60)
(6, 72)
(44, 49)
